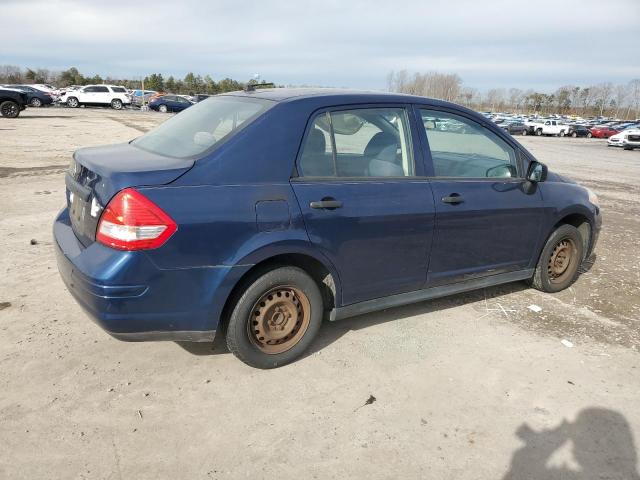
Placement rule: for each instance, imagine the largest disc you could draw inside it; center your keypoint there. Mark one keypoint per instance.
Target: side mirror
(537, 172)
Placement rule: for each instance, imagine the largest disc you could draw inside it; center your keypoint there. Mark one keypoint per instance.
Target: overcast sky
(489, 43)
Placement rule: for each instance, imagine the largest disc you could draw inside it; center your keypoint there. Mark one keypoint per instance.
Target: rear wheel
(574, 134)
(524, 132)
(73, 102)
(276, 318)
(163, 108)
(116, 104)
(562, 133)
(539, 132)
(559, 261)
(589, 135)
(35, 102)
(9, 109)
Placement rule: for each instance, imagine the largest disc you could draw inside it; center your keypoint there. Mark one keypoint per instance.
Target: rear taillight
(133, 222)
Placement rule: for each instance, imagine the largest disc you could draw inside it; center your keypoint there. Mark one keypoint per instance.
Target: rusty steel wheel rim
(279, 319)
(561, 260)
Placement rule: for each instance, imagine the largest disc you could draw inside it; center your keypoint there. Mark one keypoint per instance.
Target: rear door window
(368, 142)
(461, 147)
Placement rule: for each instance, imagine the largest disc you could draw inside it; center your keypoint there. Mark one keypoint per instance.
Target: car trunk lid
(97, 174)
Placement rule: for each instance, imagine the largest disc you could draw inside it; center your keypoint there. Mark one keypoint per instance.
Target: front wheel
(574, 134)
(559, 261)
(9, 109)
(589, 135)
(562, 133)
(524, 132)
(73, 102)
(276, 318)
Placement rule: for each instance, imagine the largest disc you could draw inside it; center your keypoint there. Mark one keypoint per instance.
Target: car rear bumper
(132, 299)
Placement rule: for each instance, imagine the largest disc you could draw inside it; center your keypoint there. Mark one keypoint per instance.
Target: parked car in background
(515, 128)
(627, 139)
(579, 131)
(550, 127)
(12, 102)
(200, 97)
(138, 97)
(170, 103)
(603, 131)
(98, 96)
(260, 214)
(35, 97)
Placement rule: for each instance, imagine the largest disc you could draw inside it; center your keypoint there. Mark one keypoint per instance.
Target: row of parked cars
(103, 95)
(624, 134)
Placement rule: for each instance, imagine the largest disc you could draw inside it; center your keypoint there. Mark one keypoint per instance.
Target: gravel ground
(468, 387)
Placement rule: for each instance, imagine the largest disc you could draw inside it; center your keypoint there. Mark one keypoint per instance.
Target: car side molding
(427, 294)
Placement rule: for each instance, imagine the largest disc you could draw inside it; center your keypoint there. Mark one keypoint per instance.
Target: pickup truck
(12, 102)
(549, 127)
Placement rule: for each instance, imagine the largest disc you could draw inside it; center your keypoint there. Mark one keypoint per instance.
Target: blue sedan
(170, 103)
(259, 214)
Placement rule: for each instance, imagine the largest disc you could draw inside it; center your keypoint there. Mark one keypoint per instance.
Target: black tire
(547, 276)
(626, 147)
(73, 102)
(9, 109)
(35, 102)
(539, 132)
(241, 339)
(589, 135)
(116, 104)
(574, 134)
(163, 109)
(524, 132)
(562, 133)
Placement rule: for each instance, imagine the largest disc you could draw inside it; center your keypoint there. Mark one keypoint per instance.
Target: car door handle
(454, 199)
(326, 204)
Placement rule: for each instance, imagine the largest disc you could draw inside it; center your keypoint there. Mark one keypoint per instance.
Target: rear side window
(368, 142)
(118, 89)
(202, 126)
(461, 147)
(101, 89)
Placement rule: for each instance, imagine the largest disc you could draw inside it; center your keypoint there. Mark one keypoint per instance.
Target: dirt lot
(469, 387)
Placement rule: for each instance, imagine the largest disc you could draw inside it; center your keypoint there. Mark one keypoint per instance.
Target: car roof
(364, 96)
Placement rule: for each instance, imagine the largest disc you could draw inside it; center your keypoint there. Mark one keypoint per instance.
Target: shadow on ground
(598, 445)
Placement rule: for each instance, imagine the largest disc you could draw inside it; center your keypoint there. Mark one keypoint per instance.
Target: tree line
(604, 99)
(190, 84)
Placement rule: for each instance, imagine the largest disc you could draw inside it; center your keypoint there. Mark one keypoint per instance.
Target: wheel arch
(579, 219)
(313, 263)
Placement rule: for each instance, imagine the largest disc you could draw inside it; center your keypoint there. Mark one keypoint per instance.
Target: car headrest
(316, 142)
(380, 141)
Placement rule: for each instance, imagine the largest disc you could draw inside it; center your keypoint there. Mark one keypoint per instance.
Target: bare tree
(634, 97)
(515, 98)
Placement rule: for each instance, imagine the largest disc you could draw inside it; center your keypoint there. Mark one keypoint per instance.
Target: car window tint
(316, 159)
(371, 142)
(460, 147)
(118, 89)
(101, 89)
(90, 89)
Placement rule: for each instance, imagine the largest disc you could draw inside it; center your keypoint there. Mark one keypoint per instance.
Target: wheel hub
(560, 259)
(279, 319)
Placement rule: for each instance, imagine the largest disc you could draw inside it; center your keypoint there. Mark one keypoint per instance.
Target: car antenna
(251, 87)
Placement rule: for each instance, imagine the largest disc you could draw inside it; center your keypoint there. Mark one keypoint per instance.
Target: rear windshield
(201, 126)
